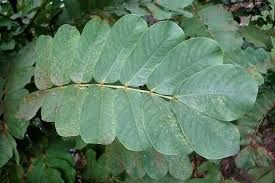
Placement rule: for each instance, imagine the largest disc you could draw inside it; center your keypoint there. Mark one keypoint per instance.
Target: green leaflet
(20, 69)
(16, 127)
(97, 124)
(161, 126)
(257, 161)
(6, 147)
(183, 171)
(42, 67)
(158, 12)
(212, 172)
(56, 107)
(257, 36)
(174, 5)
(272, 11)
(248, 123)
(129, 117)
(262, 175)
(205, 53)
(251, 157)
(51, 104)
(110, 163)
(69, 112)
(135, 8)
(248, 58)
(90, 46)
(120, 43)
(255, 61)
(160, 9)
(65, 44)
(151, 48)
(207, 135)
(217, 94)
(34, 101)
(111, 160)
(133, 164)
(155, 164)
(25, 57)
(192, 95)
(216, 22)
(18, 78)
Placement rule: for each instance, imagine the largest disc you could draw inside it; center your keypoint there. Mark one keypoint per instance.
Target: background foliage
(31, 150)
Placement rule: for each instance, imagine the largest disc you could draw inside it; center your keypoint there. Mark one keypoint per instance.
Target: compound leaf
(191, 93)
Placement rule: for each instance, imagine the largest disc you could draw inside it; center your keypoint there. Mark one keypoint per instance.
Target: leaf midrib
(114, 87)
